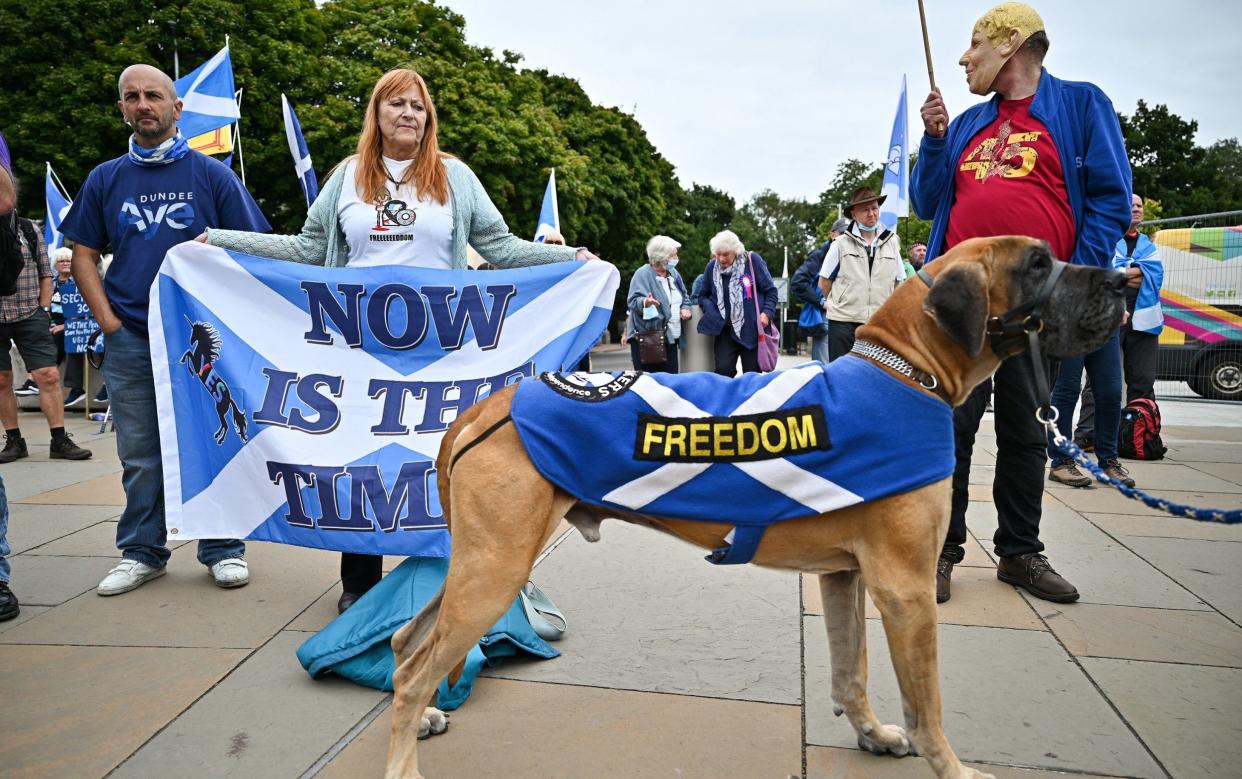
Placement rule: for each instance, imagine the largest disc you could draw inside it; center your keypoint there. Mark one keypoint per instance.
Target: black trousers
(360, 572)
(840, 338)
(668, 366)
(1021, 454)
(1138, 360)
(727, 350)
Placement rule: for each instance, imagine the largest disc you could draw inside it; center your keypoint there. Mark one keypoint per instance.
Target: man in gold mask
(1045, 158)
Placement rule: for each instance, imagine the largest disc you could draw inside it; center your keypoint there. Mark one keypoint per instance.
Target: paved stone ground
(671, 668)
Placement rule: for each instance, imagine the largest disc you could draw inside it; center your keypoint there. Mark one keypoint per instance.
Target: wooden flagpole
(931, 73)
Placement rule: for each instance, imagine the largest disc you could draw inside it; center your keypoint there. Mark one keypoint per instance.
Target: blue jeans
(141, 532)
(819, 349)
(1104, 372)
(5, 570)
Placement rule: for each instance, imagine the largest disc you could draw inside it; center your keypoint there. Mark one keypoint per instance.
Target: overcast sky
(747, 95)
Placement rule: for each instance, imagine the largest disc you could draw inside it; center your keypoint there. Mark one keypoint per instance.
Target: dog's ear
(958, 303)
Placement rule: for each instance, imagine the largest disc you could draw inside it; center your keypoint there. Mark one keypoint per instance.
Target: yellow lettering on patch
(675, 436)
(801, 432)
(722, 432)
(745, 448)
(699, 441)
(773, 426)
(651, 437)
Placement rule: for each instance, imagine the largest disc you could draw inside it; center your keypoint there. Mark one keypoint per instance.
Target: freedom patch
(733, 439)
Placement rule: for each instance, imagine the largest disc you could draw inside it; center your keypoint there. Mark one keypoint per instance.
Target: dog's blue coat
(886, 438)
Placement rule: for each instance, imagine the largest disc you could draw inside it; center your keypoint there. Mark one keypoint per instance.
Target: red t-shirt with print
(1010, 182)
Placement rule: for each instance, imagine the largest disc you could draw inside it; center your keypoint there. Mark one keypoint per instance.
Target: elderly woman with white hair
(731, 282)
(658, 305)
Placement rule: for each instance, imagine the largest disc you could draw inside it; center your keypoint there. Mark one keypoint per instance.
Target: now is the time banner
(305, 405)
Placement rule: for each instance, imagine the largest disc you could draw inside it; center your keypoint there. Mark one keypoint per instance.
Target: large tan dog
(502, 511)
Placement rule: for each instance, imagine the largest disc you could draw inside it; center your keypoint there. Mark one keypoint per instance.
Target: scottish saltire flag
(549, 216)
(305, 405)
(896, 186)
(299, 150)
(57, 206)
(6, 159)
(207, 96)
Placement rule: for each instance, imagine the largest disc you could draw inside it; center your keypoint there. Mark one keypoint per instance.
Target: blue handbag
(811, 317)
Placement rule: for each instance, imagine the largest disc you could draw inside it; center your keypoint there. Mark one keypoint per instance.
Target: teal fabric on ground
(357, 644)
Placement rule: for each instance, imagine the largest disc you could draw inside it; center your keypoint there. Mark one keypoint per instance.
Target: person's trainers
(1115, 470)
(944, 576)
(8, 603)
(75, 398)
(14, 449)
(63, 448)
(27, 389)
(232, 572)
(1068, 473)
(1033, 573)
(129, 575)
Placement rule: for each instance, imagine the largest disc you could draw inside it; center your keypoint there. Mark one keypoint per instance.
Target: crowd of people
(1041, 157)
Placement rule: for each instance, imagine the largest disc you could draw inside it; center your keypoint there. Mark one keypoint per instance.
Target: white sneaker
(232, 572)
(129, 575)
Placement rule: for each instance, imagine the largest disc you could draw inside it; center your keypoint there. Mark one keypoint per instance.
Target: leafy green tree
(1166, 163)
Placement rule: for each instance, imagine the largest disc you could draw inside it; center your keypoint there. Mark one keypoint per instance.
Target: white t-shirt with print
(406, 230)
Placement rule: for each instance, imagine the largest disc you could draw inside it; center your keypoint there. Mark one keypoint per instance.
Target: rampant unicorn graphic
(203, 355)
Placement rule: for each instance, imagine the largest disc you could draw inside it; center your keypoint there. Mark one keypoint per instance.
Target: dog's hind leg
(495, 543)
(845, 619)
(904, 591)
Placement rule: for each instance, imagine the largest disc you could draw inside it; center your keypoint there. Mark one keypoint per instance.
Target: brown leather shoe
(1033, 573)
(944, 575)
(1067, 473)
(1116, 470)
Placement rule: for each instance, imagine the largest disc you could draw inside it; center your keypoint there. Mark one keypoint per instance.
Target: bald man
(141, 204)
(1045, 158)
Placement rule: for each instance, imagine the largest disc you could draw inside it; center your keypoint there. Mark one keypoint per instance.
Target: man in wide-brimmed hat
(1043, 158)
(861, 269)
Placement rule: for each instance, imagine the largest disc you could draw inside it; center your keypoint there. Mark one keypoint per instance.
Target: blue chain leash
(1070, 449)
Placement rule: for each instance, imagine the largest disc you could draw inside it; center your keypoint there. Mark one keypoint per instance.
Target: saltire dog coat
(749, 451)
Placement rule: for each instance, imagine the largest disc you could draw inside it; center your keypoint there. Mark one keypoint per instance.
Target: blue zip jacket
(712, 323)
(1087, 134)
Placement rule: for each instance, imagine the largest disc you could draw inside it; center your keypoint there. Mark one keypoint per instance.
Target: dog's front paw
(433, 723)
(886, 739)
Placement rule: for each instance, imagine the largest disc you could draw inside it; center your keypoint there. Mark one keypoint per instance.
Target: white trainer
(129, 575)
(232, 572)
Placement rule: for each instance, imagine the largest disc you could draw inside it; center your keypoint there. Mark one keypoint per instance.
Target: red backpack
(1138, 437)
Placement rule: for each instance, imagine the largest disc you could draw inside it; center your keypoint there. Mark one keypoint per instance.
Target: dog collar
(896, 362)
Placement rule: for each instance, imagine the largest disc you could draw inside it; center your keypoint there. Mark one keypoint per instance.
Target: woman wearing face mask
(658, 303)
(737, 299)
(861, 269)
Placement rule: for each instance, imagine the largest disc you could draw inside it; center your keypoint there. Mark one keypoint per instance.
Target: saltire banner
(305, 405)
(207, 96)
(549, 216)
(300, 151)
(57, 206)
(896, 186)
(6, 159)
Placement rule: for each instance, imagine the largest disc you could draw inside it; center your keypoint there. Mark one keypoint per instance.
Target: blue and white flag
(896, 186)
(299, 150)
(207, 96)
(305, 405)
(6, 159)
(57, 206)
(549, 216)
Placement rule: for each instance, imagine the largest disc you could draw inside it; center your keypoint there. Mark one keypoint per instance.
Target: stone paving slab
(102, 491)
(1204, 452)
(833, 763)
(31, 526)
(978, 599)
(266, 719)
(1163, 635)
(101, 705)
(184, 607)
(28, 477)
(1231, 472)
(1167, 526)
(1103, 570)
(1105, 500)
(524, 730)
(1158, 477)
(28, 612)
(1209, 569)
(44, 580)
(1042, 712)
(1188, 715)
(647, 613)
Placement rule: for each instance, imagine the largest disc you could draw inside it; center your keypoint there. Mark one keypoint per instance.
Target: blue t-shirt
(143, 211)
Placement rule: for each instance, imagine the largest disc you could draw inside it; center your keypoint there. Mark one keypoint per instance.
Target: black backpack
(1138, 437)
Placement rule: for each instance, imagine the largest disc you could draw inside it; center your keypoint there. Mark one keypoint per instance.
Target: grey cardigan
(475, 221)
